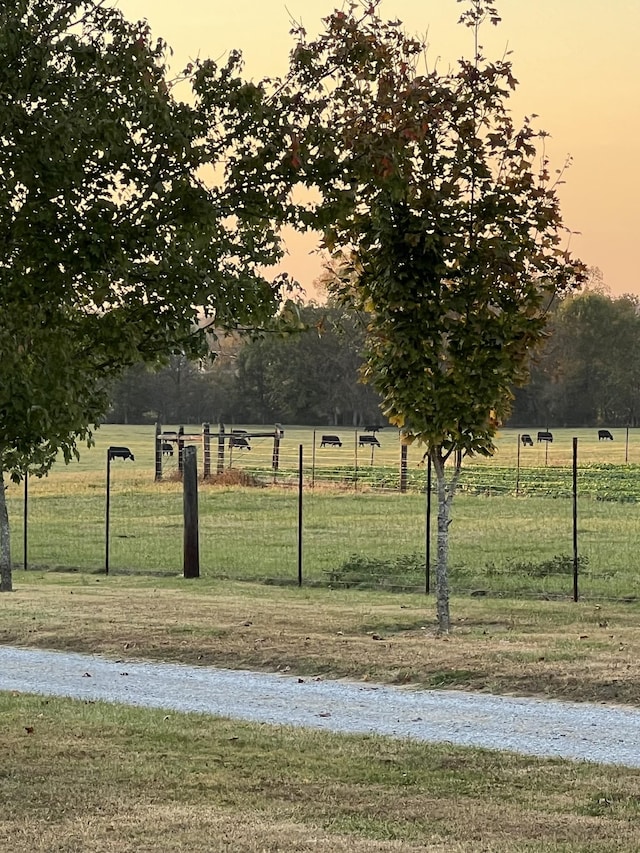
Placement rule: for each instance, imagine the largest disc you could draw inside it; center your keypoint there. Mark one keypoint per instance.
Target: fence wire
(511, 532)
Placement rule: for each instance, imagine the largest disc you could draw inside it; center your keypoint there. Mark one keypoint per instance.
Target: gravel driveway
(606, 734)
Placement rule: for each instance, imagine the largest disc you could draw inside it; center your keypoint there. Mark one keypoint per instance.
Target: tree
(308, 376)
(593, 350)
(447, 225)
(111, 244)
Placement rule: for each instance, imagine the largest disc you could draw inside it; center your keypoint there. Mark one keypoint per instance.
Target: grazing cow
(330, 441)
(604, 435)
(239, 441)
(526, 439)
(120, 453)
(545, 436)
(373, 429)
(368, 439)
(167, 448)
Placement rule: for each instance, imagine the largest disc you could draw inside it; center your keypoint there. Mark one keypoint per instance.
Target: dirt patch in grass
(553, 649)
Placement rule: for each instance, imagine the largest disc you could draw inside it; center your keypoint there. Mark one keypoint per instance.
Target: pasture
(511, 531)
(93, 777)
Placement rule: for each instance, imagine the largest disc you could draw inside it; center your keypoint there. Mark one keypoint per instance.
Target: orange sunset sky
(576, 61)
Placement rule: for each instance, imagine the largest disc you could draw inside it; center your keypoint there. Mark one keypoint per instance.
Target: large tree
(593, 352)
(446, 218)
(112, 245)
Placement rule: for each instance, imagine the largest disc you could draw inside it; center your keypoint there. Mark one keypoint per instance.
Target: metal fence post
(25, 520)
(575, 519)
(107, 514)
(427, 567)
(300, 525)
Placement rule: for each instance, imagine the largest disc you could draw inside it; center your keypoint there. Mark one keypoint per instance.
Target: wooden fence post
(191, 553)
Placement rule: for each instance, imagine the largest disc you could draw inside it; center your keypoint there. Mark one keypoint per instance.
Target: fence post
(300, 525)
(518, 467)
(107, 512)
(206, 451)
(220, 465)
(626, 446)
(191, 551)
(275, 458)
(355, 461)
(25, 520)
(158, 449)
(313, 461)
(403, 467)
(427, 567)
(575, 519)
(181, 449)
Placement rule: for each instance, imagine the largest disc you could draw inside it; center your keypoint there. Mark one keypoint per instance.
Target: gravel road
(606, 734)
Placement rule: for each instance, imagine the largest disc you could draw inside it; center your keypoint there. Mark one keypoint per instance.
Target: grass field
(82, 776)
(500, 543)
(90, 777)
(116, 780)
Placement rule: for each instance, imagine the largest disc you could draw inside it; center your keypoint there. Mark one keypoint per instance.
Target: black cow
(120, 453)
(368, 439)
(526, 439)
(373, 429)
(545, 436)
(167, 448)
(239, 441)
(330, 441)
(604, 435)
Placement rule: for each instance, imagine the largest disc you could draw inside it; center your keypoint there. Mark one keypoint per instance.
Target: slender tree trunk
(446, 492)
(5, 541)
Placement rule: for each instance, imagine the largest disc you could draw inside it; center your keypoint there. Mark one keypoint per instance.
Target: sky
(576, 62)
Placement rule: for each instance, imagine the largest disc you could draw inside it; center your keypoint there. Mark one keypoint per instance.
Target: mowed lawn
(80, 776)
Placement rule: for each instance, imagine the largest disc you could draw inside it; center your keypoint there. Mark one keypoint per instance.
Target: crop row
(603, 482)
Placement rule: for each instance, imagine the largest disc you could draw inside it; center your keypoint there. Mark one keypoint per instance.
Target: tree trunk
(446, 492)
(5, 542)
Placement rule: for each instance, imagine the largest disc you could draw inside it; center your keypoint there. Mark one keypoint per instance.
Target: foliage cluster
(110, 240)
(558, 564)
(307, 376)
(405, 571)
(587, 373)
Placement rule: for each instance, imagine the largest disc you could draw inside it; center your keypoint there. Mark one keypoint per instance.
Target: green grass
(500, 543)
(94, 777)
(252, 534)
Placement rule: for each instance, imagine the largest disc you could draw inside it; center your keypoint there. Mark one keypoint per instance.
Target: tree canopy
(445, 217)
(120, 235)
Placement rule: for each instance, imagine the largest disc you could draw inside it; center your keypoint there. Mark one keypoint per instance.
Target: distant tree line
(587, 374)
(307, 376)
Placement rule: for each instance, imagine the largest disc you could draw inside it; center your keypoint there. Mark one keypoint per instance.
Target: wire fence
(347, 526)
